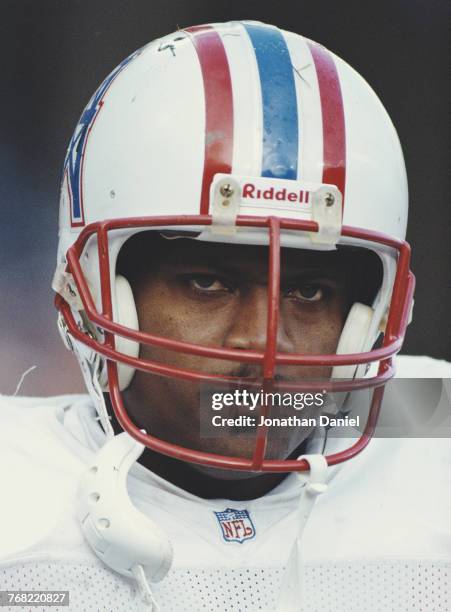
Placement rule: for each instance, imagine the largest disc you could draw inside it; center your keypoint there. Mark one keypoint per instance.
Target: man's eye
(308, 292)
(207, 284)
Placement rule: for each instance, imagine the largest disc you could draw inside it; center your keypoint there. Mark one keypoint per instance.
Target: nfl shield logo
(236, 525)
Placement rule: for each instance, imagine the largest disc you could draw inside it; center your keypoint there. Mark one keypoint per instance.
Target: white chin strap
(291, 592)
(121, 536)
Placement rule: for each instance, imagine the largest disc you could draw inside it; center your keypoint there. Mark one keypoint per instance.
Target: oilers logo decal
(73, 163)
(236, 525)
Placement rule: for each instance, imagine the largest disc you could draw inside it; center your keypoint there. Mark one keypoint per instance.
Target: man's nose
(248, 329)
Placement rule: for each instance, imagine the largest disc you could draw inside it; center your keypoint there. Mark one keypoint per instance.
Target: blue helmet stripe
(280, 115)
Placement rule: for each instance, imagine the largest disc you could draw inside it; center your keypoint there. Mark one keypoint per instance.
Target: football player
(232, 220)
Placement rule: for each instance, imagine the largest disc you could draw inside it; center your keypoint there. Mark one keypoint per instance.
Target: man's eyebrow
(238, 268)
(310, 270)
(219, 267)
(195, 261)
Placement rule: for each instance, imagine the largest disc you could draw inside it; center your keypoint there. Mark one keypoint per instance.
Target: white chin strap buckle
(119, 534)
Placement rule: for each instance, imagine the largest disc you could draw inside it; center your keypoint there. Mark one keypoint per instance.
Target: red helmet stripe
(218, 107)
(334, 134)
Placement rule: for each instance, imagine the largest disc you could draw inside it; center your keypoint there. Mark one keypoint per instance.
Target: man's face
(217, 295)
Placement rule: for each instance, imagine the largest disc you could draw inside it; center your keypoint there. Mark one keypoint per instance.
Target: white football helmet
(239, 133)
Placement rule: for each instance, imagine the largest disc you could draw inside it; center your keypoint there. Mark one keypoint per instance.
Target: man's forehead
(185, 251)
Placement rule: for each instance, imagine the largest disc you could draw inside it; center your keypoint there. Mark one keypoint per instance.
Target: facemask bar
(396, 325)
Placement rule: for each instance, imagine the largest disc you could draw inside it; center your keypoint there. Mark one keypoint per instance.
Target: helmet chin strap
(291, 592)
(121, 536)
(353, 339)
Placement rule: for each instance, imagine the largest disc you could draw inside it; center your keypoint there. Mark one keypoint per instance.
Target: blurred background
(54, 53)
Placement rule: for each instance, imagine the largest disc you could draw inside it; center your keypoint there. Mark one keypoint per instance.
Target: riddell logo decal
(281, 195)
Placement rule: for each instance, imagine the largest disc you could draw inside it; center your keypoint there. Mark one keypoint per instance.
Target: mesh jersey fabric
(364, 586)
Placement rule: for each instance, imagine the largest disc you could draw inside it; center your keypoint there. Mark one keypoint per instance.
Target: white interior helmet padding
(127, 316)
(353, 337)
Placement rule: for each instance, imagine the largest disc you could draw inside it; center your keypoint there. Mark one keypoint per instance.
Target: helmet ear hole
(126, 315)
(353, 337)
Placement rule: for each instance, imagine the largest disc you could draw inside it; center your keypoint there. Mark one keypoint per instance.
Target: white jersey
(378, 539)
